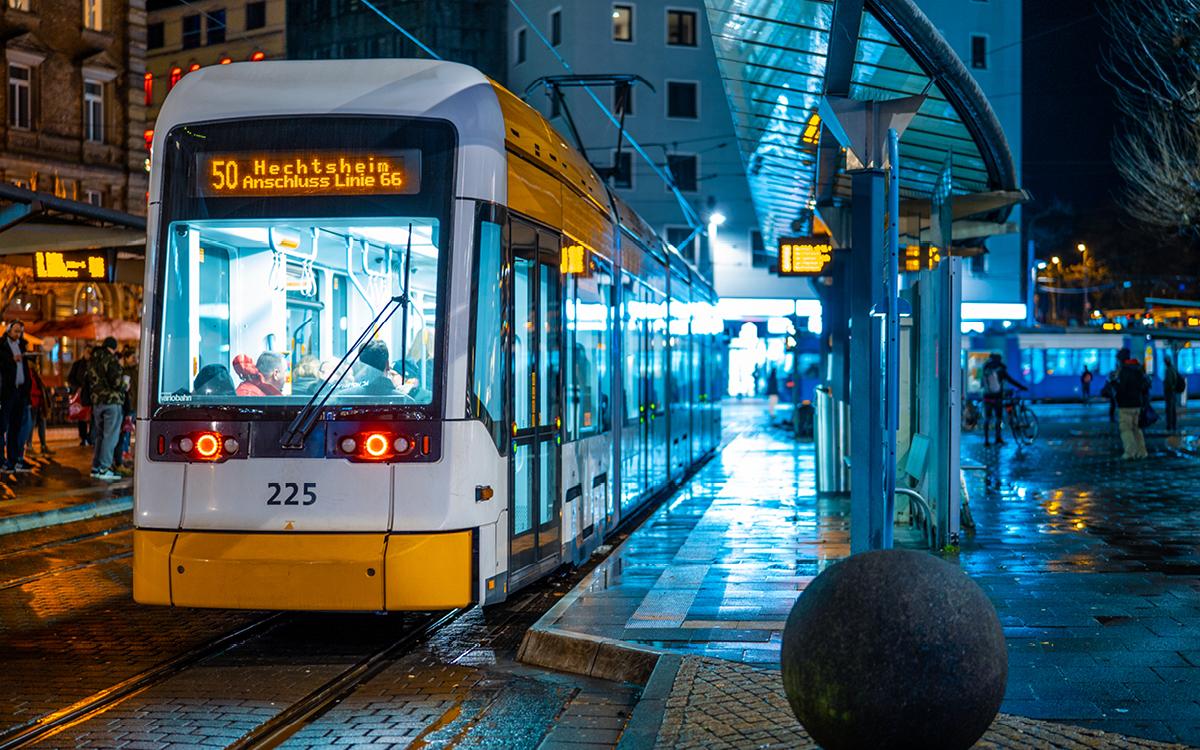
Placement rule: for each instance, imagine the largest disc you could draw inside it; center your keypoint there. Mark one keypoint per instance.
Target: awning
(778, 59)
(32, 221)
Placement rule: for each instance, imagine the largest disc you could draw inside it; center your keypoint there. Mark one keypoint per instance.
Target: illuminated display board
(921, 257)
(81, 265)
(307, 173)
(804, 256)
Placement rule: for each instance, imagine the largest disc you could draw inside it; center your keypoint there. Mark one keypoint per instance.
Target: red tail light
(375, 446)
(207, 446)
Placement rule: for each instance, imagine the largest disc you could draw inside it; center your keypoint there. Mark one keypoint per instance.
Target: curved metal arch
(913, 30)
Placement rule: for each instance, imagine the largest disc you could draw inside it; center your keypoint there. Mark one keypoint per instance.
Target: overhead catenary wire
(401, 29)
(689, 213)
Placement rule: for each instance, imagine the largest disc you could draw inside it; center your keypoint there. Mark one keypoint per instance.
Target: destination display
(307, 173)
(80, 265)
(804, 256)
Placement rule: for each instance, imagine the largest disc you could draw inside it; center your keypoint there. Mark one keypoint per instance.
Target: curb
(646, 721)
(28, 521)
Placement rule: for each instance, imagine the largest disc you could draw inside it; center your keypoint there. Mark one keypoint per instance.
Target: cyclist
(994, 376)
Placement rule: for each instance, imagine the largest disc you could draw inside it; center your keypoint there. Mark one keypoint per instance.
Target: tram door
(537, 343)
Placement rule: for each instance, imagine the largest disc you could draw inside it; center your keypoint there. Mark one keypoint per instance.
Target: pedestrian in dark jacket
(995, 376)
(1131, 391)
(77, 379)
(15, 384)
(1173, 385)
(1085, 382)
(107, 381)
(39, 408)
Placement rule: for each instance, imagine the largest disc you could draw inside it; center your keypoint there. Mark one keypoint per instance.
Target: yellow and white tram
(402, 349)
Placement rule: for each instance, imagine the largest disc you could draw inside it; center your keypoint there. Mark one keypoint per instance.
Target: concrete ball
(894, 649)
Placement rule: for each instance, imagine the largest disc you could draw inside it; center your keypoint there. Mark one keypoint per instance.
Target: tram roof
(778, 60)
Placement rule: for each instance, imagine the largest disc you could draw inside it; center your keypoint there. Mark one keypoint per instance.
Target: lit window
(191, 31)
(94, 197)
(622, 23)
(19, 4)
(979, 53)
(685, 169)
(193, 67)
(256, 15)
(681, 28)
(176, 74)
(520, 46)
(20, 80)
(683, 100)
(156, 35)
(556, 27)
(148, 136)
(93, 15)
(93, 111)
(148, 88)
(258, 56)
(226, 60)
(215, 20)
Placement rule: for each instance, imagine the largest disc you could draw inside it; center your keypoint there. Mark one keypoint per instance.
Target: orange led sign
(83, 265)
(804, 256)
(307, 173)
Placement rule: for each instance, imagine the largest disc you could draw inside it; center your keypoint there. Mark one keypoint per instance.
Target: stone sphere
(894, 649)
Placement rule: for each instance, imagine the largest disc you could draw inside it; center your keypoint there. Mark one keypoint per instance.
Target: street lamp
(1087, 303)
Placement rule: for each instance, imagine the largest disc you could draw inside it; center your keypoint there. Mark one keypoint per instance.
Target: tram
(1050, 362)
(403, 350)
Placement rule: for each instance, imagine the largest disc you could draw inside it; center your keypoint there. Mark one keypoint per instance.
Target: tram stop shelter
(859, 125)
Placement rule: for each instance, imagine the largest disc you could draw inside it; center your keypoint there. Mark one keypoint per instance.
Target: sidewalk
(60, 489)
(693, 603)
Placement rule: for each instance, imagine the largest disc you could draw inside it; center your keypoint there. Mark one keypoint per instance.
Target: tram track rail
(104, 700)
(283, 725)
(80, 565)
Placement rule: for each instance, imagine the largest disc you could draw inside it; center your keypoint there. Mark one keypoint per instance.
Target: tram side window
(213, 295)
(487, 387)
(589, 321)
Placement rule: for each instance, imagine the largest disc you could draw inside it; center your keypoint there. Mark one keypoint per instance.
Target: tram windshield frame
(256, 295)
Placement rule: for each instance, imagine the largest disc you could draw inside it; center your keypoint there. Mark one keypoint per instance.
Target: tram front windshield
(281, 240)
(261, 312)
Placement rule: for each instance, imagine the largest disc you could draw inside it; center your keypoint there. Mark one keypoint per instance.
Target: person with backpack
(1085, 381)
(1131, 393)
(994, 376)
(1173, 386)
(107, 380)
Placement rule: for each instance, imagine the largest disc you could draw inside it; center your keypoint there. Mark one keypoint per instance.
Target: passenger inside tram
(279, 305)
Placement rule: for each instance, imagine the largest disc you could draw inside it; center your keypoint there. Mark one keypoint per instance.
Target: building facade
(74, 114)
(466, 31)
(185, 36)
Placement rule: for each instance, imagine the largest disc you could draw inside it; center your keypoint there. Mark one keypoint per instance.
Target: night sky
(1068, 113)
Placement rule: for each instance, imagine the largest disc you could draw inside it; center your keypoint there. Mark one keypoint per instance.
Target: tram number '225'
(290, 490)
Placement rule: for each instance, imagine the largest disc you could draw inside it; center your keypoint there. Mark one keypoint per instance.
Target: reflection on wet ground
(1091, 563)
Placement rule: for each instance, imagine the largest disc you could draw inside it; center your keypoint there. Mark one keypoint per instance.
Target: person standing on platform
(128, 410)
(107, 381)
(15, 384)
(1085, 381)
(1110, 389)
(1131, 393)
(39, 406)
(772, 391)
(1173, 386)
(995, 375)
(77, 379)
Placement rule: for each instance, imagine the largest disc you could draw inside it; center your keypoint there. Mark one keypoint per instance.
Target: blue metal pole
(891, 346)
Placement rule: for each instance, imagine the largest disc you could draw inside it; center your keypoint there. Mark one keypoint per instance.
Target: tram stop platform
(1093, 566)
(59, 489)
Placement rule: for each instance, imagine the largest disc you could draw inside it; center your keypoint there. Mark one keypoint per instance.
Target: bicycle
(1021, 420)
(970, 414)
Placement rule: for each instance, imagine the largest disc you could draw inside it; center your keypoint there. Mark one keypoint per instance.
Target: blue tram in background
(1050, 363)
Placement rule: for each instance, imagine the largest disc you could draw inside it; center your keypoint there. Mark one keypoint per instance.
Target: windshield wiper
(306, 418)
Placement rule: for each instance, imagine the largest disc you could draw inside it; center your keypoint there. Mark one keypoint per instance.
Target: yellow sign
(307, 173)
(804, 256)
(574, 260)
(921, 258)
(84, 265)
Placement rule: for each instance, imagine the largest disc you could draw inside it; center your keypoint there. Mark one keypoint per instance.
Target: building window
(216, 26)
(622, 176)
(94, 197)
(191, 31)
(520, 46)
(256, 15)
(979, 52)
(93, 111)
(684, 168)
(148, 88)
(156, 35)
(556, 27)
(623, 98)
(176, 74)
(681, 28)
(20, 81)
(683, 100)
(93, 15)
(677, 235)
(20, 5)
(622, 20)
